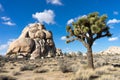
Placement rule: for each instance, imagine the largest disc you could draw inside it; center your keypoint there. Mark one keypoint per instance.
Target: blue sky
(56, 14)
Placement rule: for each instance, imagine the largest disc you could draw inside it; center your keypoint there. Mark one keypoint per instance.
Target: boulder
(24, 33)
(40, 34)
(48, 34)
(21, 45)
(34, 41)
(36, 53)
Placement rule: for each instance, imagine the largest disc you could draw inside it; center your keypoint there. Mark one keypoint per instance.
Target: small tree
(87, 30)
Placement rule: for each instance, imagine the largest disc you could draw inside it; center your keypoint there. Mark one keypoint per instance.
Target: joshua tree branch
(100, 36)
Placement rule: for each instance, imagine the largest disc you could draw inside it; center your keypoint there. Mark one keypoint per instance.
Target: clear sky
(56, 14)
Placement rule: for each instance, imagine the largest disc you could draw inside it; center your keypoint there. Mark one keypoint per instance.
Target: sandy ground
(51, 69)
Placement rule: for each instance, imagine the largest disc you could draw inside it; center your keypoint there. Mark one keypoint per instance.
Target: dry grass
(102, 73)
(108, 77)
(15, 73)
(66, 68)
(101, 70)
(83, 74)
(41, 70)
(105, 70)
(28, 67)
(39, 78)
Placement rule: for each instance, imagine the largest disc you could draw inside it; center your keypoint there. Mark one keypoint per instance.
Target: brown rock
(40, 34)
(21, 45)
(48, 34)
(35, 41)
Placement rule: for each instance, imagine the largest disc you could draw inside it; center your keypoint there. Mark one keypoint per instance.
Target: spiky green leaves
(94, 14)
(92, 24)
(103, 18)
(95, 29)
(76, 32)
(68, 28)
(85, 30)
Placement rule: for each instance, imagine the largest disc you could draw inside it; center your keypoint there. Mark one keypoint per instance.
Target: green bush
(28, 67)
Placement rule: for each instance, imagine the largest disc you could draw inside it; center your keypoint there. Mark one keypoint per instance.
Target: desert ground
(69, 67)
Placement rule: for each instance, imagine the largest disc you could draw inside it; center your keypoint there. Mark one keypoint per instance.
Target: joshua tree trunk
(90, 57)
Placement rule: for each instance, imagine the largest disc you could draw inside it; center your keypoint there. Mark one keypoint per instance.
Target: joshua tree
(88, 29)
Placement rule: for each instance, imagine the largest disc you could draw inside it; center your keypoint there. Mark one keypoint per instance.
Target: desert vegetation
(22, 65)
(87, 30)
(59, 40)
(69, 67)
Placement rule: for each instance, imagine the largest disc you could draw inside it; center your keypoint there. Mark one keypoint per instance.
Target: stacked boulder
(34, 42)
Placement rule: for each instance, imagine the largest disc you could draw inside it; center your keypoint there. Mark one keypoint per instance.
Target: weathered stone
(41, 27)
(48, 34)
(24, 33)
(50, 42)
(20, 57)
(35, 41)
(111, 51)
(36, 53)
(40, 34)
(21, 45)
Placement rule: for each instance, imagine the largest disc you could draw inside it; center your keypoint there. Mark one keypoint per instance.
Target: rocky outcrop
(111, 51)
(35, 41)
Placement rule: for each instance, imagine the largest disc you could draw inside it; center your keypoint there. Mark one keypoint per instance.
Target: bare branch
(99, 36)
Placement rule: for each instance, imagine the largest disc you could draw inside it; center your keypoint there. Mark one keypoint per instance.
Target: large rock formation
(113, 50)
(34, 41)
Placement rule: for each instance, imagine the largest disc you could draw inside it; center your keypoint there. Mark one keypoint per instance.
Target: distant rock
(59, 52)
(34, 42)
(111, 51)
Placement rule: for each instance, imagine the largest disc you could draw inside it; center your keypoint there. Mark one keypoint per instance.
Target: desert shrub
(116, 64)
(108, 77)
(111, 68)
(87, 74)
(79, 53)
(39, 78)
(65, 66)
(69, 55)
(65, 54)
(5, 77)
(2, 63)
(2, 58)
(100, 63)
(102, 70)
(14, 64)
(28, 67)
(41, 70)
(12, 68)
(3, 70)
(16, 73)
(83, 62)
